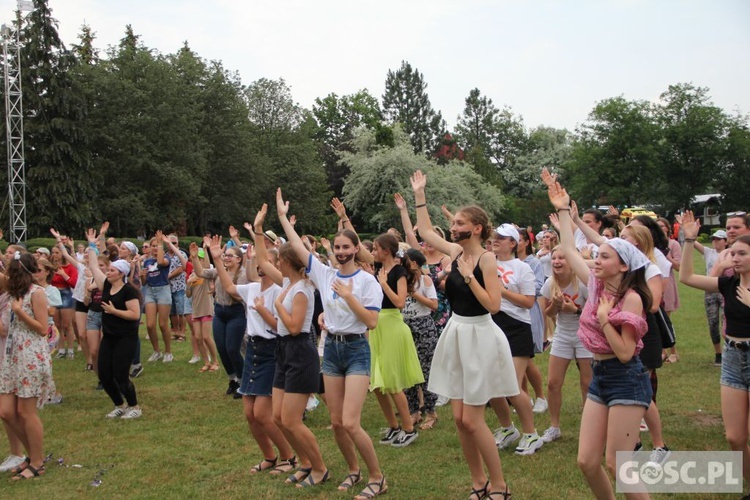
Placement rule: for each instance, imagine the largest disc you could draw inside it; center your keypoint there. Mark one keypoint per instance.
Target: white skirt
(472, 361)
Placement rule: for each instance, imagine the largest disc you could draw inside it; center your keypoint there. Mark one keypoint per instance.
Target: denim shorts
(66, 294)
(735, 368)
(259, 367)
(350, 356)
(178, 303)
(159, 295)
(93, 320)
(188, 310)
(617, 383)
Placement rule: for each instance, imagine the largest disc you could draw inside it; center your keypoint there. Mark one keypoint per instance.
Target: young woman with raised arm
(472, 362)
(121, 314)
(297, 367)
(199, 290)
(157, 297)
(612, 324)
(735, 363)
(351, 300)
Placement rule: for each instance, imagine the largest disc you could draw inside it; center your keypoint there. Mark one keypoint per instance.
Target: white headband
(629, 254)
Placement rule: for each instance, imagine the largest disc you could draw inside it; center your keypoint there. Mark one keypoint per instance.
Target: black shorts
(651, 353)
(81, 307)
(518, 333)
(297, 365)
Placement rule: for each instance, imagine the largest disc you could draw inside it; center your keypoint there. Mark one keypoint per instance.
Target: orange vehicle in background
(628, 214)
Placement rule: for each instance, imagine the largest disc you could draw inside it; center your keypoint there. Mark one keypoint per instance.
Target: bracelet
(259, 234)
(421, 205)
(563, 210)
(605, 324)
(344, 220)
(689, 240)
(92, 245)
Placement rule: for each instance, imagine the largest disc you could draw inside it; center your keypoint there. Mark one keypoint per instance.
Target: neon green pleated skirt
(395, 365)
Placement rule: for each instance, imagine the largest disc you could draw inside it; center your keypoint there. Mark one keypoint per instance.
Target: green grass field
(193, 441)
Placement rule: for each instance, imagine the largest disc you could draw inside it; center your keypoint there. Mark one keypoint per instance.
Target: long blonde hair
(554, 285)
(642, 235)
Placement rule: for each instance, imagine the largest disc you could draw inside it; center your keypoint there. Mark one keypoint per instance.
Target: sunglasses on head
(736, 214)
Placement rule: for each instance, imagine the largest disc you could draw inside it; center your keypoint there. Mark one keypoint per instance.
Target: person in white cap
(612, 324)
(712, 301)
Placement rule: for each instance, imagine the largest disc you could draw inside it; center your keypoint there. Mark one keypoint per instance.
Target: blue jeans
(346, 357)
(229, 328)
(617, 383)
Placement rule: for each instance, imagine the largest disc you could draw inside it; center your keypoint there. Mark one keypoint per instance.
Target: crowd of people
(417, 317)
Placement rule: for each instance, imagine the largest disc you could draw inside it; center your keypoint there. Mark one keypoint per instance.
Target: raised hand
(338, 207)
(193, 249)
(547, 178)
(690, 225)
(293, 220)
(558, 196)
(233, 233)
(214, 246)
(574, 211)
(555, 221)
(55, 234)
(446, 213)
(400, 202)
(282, 208)
(104, 228)
(91, 235)
(418, 181)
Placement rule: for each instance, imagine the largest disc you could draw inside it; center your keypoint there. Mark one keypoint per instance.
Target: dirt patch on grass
(704, 419)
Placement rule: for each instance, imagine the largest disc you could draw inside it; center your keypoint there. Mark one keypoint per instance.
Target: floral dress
(443, 312)
(26, 370)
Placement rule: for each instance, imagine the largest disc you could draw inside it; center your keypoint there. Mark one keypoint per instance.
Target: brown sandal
(429, 422)
(204, 368)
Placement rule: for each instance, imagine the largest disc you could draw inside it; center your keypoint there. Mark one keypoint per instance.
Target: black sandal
(20, 468)
(309, 481)
(350, 481)
(479, 493)
(294, 479)
(370, 492)
(285, 466)
(505, 494)
(260, 467)
(34, 471)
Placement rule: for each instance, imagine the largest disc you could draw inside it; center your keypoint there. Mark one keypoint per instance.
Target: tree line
(173, 141)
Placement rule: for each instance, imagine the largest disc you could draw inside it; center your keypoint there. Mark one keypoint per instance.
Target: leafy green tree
(492, 138)
(405, 101)
(337, 118)
(694, 132)
(732, 181)
(615, 159)
(377, 172)
(61, 180)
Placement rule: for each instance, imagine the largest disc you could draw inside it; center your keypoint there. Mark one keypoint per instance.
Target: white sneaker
(540, 405)
(156, 356)
(659, 455)
(506, 436)
(117, 412)
(10, 462)
(194, 360)
(168, 358)
(132, 413)
(551, 434)
(442, 401)
(529, 444)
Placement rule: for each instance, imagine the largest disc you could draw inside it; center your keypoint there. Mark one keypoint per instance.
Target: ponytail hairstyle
(287, 253)
(524, 234)
(661, 242)
(420, 260)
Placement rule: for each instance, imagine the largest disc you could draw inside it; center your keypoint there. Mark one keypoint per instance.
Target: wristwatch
(468, 278)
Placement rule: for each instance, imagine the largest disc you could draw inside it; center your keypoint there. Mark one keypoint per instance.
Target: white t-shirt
(582, 242)
(567, 323)
(546, 261)
(255, 324)
(517, 277)
(339, 318)
(54, 299)
(415, 309)
(653, 270)
(305, 288)
(710, 256)
(663, 263)
(80, 289)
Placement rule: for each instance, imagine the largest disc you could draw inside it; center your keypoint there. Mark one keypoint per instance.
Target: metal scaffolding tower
(14, 127)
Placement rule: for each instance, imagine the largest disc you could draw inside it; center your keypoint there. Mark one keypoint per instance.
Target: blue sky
(550, 61)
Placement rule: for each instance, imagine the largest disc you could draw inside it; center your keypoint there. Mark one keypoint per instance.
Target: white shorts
(568, 346)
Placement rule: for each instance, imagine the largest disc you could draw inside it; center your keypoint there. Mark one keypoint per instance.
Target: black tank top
(462, 299)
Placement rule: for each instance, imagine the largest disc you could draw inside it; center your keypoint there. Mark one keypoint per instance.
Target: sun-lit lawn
(193, 442)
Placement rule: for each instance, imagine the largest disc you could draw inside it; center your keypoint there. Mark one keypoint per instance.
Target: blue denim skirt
(259, 367)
